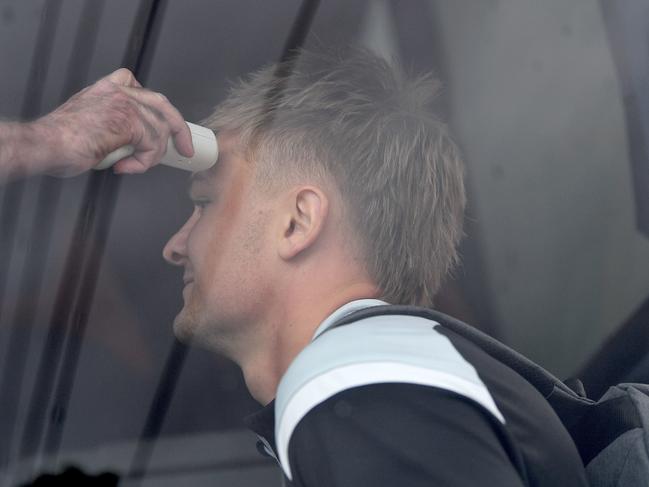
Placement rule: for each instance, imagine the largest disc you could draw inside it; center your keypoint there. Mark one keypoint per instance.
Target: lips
(187, 279)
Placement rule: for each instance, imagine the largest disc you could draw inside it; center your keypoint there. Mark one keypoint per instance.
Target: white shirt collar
(346, 310)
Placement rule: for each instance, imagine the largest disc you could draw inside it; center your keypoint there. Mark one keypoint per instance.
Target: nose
(175, 251)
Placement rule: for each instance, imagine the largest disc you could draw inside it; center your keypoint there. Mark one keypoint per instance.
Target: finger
(178, 127)
(183, 140)
(123, 77)
(150, 141)
(130, 165)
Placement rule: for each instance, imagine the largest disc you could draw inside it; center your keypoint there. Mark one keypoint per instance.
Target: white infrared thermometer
(206, 152)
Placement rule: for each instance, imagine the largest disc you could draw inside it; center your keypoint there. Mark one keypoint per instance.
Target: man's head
(361, 123)
(350, 138)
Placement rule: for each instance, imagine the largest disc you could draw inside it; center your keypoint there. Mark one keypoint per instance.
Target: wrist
(26, 148)
(14, 149)
(44, 146)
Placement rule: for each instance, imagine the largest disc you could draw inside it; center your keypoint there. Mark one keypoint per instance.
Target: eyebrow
(201, 176)
(196, 185)
(210, 173)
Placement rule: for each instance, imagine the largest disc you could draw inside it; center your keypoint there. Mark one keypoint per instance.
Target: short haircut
(356, 119)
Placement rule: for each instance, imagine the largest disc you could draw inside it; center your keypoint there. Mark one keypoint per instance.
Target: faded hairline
(357, 121)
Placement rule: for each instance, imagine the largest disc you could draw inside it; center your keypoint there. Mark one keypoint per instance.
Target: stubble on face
(228, 288)
(222, 311)
(188, 319)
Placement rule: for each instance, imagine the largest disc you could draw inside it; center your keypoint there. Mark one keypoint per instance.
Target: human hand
(113, 112)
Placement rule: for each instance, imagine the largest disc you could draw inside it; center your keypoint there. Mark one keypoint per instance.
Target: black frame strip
(141, 46)
(626, 28)
(39, 242)
(13, 192)
(79, 279)
(178, 353)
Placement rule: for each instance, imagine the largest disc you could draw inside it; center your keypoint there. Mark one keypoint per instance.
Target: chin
(194, 326)
(184, 327)
(191, 329)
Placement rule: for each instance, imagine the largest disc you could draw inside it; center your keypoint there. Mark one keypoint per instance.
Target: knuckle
(148, 159)
(158, 116)
(164, 131)
(154, 133)
(126, 75)
(162, 150)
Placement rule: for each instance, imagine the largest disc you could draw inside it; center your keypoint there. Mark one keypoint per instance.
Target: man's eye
(201, 203)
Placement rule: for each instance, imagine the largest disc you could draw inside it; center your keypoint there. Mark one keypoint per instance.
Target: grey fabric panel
(625, 462)
(396, 348)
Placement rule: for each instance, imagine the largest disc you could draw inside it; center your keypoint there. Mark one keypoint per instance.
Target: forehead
(230, 161)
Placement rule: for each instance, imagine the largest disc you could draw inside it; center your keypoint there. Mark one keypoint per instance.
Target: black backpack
(611, 434)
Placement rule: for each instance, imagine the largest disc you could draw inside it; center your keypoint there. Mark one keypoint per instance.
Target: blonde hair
(358, 120)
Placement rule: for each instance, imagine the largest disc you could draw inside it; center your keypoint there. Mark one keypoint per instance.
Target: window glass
(552, 262)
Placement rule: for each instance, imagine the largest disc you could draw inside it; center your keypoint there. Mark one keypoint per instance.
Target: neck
(291, 330)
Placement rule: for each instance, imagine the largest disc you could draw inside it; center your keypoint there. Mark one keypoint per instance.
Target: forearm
(25, 149)
(113, 112)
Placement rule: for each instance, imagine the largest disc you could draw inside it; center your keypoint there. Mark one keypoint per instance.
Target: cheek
(211, 247)
(200, 245)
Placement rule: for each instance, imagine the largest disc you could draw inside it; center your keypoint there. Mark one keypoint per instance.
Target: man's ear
(304, 219)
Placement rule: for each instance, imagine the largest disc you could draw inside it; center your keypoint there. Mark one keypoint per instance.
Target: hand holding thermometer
(206, 152)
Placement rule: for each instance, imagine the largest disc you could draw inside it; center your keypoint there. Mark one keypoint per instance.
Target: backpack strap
(602, 423)
(594, 426)
(543, 381)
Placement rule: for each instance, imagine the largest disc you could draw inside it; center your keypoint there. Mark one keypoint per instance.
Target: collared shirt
(396, 400)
